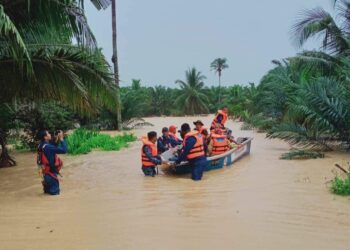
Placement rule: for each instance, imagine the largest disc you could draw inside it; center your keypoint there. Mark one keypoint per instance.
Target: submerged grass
(298, 154)
(83, 141)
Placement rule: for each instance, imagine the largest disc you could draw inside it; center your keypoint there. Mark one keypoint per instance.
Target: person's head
(152, 136)
(44, 135)
(185, 128)
(225, 109)
(172, 129)
(199, 124)
(165, 131)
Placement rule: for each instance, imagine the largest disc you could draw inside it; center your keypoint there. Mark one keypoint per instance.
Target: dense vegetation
(341, 186)
(48, 53)
(82, 141)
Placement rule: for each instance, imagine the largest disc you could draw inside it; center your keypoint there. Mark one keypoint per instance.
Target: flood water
(106, 203)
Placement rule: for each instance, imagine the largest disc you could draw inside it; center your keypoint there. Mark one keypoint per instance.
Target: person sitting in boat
(220, 119)
(193, 151)
(49, 162)
(218, 142)
(172, 133)
(201, 129)
(149, 154)
(165, 142)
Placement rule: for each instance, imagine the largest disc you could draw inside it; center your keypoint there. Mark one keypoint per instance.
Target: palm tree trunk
(219, 88)
(5, 159)
(115, 62)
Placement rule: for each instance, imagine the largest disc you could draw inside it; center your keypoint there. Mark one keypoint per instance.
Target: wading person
(49, 161)
(193, 151)
(149, 154)
(220, 119)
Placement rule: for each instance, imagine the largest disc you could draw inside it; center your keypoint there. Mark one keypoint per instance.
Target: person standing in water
(220, 119)
(193, 151)
(49, 161)
(149, 154)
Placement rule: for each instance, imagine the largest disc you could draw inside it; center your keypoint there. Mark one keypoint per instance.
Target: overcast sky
(159, 39)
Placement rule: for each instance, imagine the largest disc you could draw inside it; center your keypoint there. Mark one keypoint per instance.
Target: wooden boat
(219, 161)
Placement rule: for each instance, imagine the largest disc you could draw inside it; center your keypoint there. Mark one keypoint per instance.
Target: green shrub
(82, 141)
(341, 186)
(36, 116)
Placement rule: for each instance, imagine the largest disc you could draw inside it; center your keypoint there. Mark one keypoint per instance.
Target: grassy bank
(83, 141)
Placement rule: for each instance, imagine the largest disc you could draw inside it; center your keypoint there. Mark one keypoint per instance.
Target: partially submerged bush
(341, 186)
(82, 141)
(34, 117)
(260, 121)
(298, 154)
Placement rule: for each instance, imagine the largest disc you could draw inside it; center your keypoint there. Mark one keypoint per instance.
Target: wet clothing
(51, 183)
(197, 164)
(150, 160)
(154, 159)
(149, 171)
(164, 143)
(177, 139)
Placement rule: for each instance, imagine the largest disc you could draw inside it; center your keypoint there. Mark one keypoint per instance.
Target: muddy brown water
(106, 203)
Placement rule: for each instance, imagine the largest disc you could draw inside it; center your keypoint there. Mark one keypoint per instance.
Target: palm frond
(74, 76)
(11, 37)
(319, 22)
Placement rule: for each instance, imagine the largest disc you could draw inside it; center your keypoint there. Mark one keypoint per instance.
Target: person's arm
(147, 151)
(160, 145)
(174, 142)
(61, 148)
(190, 142)
(205, 148)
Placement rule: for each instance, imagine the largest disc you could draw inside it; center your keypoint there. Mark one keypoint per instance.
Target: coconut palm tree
(218, 65)
(39, 62)
(192, 98)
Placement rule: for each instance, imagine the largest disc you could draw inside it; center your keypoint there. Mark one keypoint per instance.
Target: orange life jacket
(44, 162)
(145, 161)
(220, 144)
(201, 131)
(198, 148)
(223, 121)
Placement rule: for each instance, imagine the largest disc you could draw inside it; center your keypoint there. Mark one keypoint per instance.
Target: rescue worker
(165, 142)
(49, 162)
(219, 143)
(201, 129)
(149, 154)
(193, 151)
(172, 133)
(220, 119)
